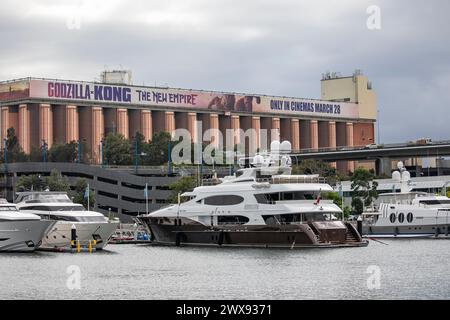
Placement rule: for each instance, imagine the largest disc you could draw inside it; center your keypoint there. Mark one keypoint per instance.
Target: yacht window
(434, 202)
(224, 200)
(401, 217)
(271, 198)
(55, 208)
(232, 220)
(8, 208)
(246, 180)
(392, 217)
(76, 219)
(409, 217)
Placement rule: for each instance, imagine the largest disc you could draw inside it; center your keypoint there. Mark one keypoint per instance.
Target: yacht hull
(23, 236)
(60, 235)
(416, 231)
(261, 236)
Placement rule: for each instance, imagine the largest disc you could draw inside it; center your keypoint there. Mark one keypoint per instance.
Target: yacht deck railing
(274, 180)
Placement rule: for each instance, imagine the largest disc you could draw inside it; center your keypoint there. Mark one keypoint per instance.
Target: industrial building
(60, 111)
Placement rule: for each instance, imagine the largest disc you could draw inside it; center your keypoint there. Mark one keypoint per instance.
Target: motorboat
(407, 214)
(71, 219)
(20, 231)
(261, 205)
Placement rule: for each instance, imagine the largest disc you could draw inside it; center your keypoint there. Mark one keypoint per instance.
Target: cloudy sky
(268, 47)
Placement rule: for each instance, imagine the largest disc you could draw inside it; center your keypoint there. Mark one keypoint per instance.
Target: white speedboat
(260, 206)
(407, 214)
(21, 232)
(57, 206)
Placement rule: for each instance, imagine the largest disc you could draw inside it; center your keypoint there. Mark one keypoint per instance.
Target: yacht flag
(146, 197)
(86, 195)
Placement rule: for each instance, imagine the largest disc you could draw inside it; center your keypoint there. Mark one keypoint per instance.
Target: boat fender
(396, 231)
(73, 235)
(221, 237)
(446, 232)
(436, 234)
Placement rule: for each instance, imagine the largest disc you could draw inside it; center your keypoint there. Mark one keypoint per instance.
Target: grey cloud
(270, 47)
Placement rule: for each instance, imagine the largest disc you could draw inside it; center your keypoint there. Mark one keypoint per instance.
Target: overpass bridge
(381, 153)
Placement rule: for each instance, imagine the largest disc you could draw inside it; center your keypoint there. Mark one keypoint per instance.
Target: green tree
(357, 205)
(79, 194)
(30, 182)
(157, 150)
(187, 183)
(14, 150)
(66, 152)
(333, 196)
(54, 182)
(321, 168)
(363, 186)
(117, 150)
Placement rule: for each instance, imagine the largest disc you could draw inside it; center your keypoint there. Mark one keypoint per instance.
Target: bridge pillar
(122, 122)
(146, 124)
(46, 124)
(72, 127)
(192, 126)
(295, 134)
(214, 126)
(169, 123)
(275, 134)
(383, 166)
(349, 143)
(256, 125)
(332, 139)
(24, 128)
(235, 126)
(314, 127)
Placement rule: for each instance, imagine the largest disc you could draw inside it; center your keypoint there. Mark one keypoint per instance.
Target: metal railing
(275, 180)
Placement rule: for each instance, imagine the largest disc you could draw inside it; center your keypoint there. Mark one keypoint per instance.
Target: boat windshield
(48, 198)
(73, 218)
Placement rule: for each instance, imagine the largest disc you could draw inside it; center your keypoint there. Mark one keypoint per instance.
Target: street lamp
(44, 150)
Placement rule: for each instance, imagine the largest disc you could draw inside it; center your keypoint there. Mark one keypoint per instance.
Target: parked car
(371, 146)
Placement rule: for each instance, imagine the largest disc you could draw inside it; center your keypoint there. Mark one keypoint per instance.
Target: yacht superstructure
(20, 231)
(57, 206)
(407, 214)
(260, 206)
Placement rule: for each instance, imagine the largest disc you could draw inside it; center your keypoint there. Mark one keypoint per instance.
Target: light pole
(102, 146)
(135, 154)
(44, 151)
(79, 151)
(169, 160)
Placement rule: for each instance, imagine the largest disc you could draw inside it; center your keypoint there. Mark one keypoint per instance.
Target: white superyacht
(19, 231)
(260, 206)
(407, 214)
(57, 206)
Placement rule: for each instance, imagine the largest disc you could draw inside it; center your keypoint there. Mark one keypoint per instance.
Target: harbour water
(401, 269)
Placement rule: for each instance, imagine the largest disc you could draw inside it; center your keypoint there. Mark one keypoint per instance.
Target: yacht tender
(57, 206)
(20, 231)
(260, 206)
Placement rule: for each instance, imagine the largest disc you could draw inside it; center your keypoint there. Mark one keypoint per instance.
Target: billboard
(100, 93)
(14, 90)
